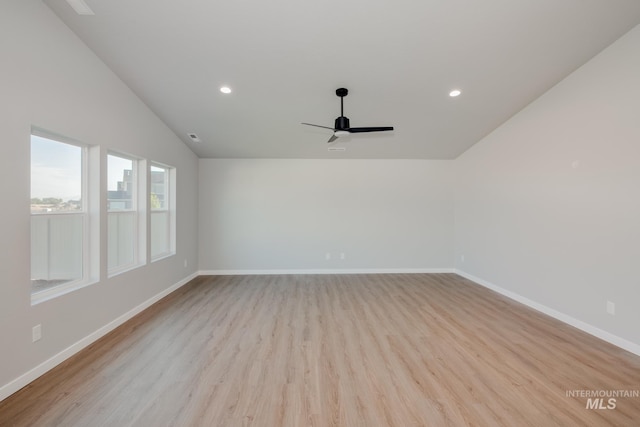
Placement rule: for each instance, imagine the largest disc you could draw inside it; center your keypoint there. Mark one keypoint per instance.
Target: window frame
(89, 259)
(138, 211)
(169, 209)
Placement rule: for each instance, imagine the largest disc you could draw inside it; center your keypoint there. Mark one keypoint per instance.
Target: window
(124, 231)
(59, 215)
(162, 205)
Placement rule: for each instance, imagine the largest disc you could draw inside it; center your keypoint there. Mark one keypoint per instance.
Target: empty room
(333, 213)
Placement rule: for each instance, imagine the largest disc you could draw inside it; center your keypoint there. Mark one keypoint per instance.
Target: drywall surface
(548, 206)
(289, 214)
(50, 79)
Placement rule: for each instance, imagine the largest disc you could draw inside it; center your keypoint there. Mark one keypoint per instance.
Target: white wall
(286, 214)
(548, 205)
(50, 79)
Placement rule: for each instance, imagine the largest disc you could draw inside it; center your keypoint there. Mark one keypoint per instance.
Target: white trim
(583, 326)
(58, 291)
(327, 271)
(15, 385)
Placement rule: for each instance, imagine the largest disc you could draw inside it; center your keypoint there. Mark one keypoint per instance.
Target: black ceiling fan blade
(370, 129)
(318, 126)
(342, 126)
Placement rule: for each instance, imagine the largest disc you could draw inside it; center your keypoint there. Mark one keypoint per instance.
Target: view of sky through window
(56, 170)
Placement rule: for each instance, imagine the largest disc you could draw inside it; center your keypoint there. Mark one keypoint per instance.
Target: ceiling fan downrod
(342, 122)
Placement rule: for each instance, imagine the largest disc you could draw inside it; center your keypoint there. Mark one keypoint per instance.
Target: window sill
(124, 269)
(58, 291)
(160, 257)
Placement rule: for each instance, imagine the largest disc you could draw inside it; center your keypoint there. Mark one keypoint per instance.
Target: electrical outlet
(343, 255)
(327, 256)
(36, 333)
(462, 258)
(611, 308)
(186, 263)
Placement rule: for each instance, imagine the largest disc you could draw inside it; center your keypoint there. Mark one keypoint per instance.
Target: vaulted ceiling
(284, 59)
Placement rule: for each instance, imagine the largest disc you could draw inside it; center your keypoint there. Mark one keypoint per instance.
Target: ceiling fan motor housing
(342, 123)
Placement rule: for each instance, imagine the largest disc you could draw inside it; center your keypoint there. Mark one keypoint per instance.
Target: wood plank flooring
(336, 350)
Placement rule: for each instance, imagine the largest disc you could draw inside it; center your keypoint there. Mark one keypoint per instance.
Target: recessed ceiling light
(80, 7)
(225, 89)
(454, 93)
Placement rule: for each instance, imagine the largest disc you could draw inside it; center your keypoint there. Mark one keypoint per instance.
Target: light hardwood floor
(335, 350)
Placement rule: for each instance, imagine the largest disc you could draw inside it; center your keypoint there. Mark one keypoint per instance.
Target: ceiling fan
(341, 126)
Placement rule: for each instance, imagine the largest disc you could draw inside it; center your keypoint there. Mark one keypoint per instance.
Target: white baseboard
(583, 326)
(326, 271)
(15, 385)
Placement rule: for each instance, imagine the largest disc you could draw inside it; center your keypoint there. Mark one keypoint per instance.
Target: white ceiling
(399, 59)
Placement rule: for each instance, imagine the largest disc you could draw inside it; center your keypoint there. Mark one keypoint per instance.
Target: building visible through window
(123, 230)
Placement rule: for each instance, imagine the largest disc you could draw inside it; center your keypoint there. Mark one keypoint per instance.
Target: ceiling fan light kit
(342, 127)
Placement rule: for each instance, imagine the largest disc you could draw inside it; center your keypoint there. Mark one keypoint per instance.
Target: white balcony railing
(57, 242)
